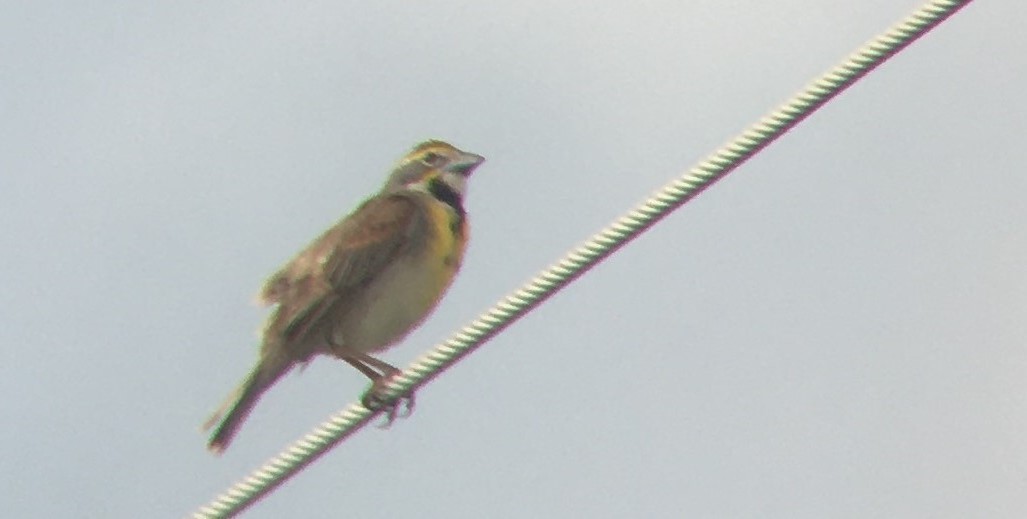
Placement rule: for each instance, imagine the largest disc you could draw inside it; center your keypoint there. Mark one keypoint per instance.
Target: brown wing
(342, 260)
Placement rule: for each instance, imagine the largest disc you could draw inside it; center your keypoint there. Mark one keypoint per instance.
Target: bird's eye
(432, 159)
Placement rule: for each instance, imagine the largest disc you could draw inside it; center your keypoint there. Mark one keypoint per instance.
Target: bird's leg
(368, 371)
(380, 372)
(373, 398)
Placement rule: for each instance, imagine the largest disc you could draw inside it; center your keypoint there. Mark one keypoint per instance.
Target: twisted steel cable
(714, 167)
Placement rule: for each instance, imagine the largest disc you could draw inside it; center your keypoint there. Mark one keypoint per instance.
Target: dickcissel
(366, 282)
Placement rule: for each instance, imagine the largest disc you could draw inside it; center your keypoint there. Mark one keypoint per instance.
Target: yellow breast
(446, 250)
(409, 290)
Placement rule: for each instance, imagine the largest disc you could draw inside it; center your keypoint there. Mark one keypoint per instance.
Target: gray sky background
(836, 330)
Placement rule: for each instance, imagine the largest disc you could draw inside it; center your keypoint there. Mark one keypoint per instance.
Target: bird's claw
(374, 399)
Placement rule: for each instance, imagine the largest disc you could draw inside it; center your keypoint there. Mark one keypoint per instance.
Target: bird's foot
(374, 399)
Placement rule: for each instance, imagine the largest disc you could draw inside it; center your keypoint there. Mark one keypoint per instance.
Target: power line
(577, 262)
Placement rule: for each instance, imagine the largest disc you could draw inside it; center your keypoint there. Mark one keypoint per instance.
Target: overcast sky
(835, 330)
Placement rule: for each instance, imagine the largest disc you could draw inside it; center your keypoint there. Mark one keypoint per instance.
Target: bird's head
(435, 167)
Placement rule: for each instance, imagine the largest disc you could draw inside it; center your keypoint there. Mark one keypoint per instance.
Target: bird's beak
(465, 164)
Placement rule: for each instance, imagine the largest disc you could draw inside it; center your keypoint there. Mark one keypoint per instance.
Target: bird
(365, 283)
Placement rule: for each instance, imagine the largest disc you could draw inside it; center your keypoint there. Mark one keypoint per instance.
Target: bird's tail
(240, 402)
